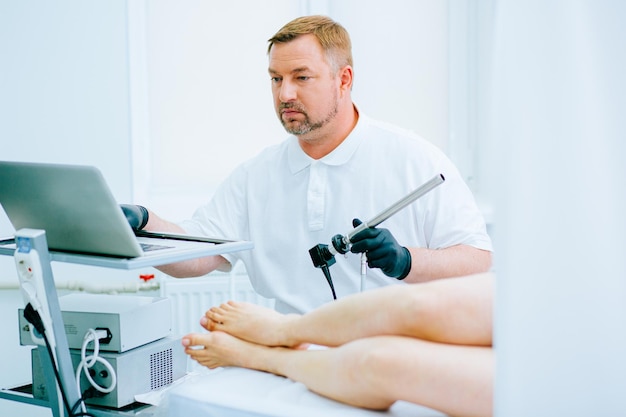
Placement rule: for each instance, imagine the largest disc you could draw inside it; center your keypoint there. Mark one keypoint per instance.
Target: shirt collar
(298, 160)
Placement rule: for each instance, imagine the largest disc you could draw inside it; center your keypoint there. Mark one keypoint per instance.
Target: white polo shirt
(286, 203)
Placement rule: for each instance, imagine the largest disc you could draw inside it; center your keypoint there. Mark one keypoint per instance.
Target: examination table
(238, 392)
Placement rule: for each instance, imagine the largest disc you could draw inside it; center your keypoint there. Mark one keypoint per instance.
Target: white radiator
(192, 297)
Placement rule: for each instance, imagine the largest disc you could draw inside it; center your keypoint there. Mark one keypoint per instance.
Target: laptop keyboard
(149, 247)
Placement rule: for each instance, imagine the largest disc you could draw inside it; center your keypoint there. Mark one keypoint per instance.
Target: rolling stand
(33, 259)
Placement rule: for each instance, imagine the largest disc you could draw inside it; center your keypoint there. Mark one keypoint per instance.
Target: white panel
(560, 250)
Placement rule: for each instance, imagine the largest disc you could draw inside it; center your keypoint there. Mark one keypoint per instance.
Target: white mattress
(237, 392)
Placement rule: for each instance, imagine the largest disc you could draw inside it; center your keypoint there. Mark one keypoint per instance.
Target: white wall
(63, 98)
(167, 97)
(207, 90)
(75, 90)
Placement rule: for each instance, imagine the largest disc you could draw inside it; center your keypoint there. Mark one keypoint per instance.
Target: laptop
(79, 214)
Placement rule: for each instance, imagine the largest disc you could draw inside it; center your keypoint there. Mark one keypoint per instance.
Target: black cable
(78, 402)
(88, 393)
(329, 279)
(323, 258)
(76, 405)
(56, 373)
(33, 317)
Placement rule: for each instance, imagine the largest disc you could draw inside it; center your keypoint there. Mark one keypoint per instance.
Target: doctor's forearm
(191, 268)
(158, 224)
(455, 261)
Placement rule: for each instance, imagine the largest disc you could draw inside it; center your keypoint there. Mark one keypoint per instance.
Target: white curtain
(558, 107)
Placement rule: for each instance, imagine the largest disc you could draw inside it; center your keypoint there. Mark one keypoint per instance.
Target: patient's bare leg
(373, 372)
(454, 310)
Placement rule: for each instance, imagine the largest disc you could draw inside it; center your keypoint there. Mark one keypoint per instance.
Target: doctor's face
(304, 86)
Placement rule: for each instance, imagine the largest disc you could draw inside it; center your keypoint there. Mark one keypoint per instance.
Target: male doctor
(336, 166)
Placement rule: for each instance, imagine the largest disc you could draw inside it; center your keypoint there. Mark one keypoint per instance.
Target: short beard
(306, 126)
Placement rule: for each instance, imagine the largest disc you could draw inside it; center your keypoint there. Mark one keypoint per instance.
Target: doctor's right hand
(382, 250)
(137, 216)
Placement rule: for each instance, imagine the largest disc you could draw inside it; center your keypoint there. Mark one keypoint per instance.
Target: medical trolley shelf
(38, 242)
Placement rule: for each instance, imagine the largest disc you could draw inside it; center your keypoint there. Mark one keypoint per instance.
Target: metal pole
(32, 239)
(397, 206)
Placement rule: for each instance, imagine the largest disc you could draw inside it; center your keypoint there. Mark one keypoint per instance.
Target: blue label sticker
(24, 244)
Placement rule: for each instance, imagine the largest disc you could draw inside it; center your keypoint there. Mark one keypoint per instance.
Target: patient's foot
(251, 322)
(218, 349)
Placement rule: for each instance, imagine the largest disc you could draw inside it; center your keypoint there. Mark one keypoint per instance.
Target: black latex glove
(137, 216)
(383, 251)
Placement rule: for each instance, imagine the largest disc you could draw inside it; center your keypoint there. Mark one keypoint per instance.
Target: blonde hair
(333, 38)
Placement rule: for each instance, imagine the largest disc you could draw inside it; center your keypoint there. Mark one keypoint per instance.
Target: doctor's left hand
(137, 216)
(383, 251)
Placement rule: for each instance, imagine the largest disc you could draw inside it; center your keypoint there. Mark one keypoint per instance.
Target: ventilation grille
(161, 369)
